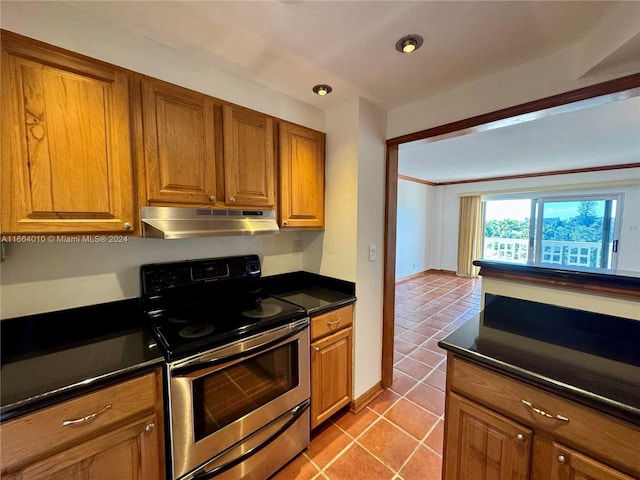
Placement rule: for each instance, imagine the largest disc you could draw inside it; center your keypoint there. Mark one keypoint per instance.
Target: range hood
(177, 222)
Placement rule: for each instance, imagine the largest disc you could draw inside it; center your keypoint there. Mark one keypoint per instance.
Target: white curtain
(469, 235)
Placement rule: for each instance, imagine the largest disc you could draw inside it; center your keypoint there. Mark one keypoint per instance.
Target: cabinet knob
(150, 426)
(316, 349)
(520, 437)
(562, 459)
(285, 223)
(127, 226)
(212, 199)
(232, 199)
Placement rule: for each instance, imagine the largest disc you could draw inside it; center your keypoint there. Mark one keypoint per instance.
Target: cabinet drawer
(580, 427)
(57, 427)
(331, 321)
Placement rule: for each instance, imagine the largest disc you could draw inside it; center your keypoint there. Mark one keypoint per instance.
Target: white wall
(446, 220)
(369, 273)
(354, 196)
(414, 227)
(336, 253)
(38, 278)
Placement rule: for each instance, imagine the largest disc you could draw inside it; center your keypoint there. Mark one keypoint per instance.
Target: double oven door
(241, 410)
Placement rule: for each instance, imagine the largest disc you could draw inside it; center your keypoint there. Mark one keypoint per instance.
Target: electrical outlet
(372, 253)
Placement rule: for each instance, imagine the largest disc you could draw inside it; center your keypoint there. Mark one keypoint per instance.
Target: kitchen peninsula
(544, 382)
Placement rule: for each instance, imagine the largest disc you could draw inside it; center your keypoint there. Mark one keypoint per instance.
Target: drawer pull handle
(561, 418)
(335, 322)
(87, 418)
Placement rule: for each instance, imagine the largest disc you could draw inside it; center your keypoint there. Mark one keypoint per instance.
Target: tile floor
(398, 436)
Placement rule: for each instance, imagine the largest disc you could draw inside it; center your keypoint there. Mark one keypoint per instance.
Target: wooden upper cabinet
(179, 144)
(66, 151)
(249, 167)
(301, 200)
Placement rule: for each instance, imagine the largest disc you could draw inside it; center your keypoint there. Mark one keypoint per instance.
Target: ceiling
(587, 135)
(291, 45)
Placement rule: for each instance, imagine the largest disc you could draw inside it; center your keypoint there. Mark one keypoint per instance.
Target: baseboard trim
(410, 277)
(367, 397)
(413, 276)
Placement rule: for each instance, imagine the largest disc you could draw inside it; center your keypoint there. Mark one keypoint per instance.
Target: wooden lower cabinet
(128, 452)
(488, 445)
(497, 427)
(570, 465)
(331, 364)
(113, 433)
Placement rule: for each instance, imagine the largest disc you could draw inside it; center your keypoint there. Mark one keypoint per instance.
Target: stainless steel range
(237, 362)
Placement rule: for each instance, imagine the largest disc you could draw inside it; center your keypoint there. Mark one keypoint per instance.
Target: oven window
(227, 395)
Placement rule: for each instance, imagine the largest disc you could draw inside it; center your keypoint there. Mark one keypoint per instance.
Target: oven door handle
(243, 348)
(250, 447)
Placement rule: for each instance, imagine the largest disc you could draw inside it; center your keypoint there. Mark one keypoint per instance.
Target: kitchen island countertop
(590, 358)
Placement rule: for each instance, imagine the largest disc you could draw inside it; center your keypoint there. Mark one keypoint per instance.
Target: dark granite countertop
(315, 293)
(590, 358)
(52, 357)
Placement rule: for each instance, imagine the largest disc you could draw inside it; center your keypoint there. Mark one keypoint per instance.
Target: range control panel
(158, 277)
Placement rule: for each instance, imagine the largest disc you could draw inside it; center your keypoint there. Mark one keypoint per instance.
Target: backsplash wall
(37, 278)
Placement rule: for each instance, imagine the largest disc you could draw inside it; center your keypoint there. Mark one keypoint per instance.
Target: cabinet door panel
(301, 177)
(179, 144)
(66, 151)
(570, 465)
(483, 444)
(128, 453)
(331, 375)
(249, 168)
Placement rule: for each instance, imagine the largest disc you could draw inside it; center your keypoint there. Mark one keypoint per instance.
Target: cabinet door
(482, 444)
(301, 177)
(249, 169)
(331, 360)
(66, 150)
(179, 144)
(130, 452)
(570, 465)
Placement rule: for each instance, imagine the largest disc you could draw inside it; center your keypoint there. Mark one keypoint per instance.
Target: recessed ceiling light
(322, 90)
(409, 44)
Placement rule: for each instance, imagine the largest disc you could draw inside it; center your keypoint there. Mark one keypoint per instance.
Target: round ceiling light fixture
(409, 44)
(322, 90)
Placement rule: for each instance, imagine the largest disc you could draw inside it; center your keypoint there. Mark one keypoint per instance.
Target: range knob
(252, 268)
(161, 280)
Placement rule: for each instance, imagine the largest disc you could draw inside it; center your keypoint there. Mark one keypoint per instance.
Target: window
(571, 232)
